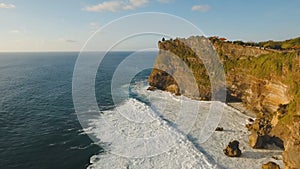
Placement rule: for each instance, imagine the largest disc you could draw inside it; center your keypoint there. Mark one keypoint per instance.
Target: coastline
(265, 81)
(240, 107)
(211, 152)
(233, 122)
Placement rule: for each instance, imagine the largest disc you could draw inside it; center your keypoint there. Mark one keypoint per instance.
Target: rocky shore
(265, 81)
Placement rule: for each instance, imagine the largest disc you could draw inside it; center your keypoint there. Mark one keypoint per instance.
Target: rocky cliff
(266, 81)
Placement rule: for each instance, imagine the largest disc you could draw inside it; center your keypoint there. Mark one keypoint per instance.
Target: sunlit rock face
(266, 81)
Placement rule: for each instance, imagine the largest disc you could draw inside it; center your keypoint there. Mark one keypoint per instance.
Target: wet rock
(248, 126)
(233, 150)
(151, 88)
(275, 157)
(173, 88)
(260, 136)
(258, 141)
(291, 154)
(219, 129)
(270, 165)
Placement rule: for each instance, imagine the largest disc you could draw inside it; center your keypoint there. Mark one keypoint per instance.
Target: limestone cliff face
(176, 60)
(258, 94)
(266, 81)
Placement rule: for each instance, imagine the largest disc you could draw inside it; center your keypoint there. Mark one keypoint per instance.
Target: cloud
(18, 31)
(7, 6)
(67, 40)
(94, 25)
(138, 3)
(201, 8)
(15, 31)
(71, 41)
(165, 1)
(115, 6)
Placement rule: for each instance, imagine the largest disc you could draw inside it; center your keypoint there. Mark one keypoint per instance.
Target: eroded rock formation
(233, 150)
(270, 165)
(266, 81)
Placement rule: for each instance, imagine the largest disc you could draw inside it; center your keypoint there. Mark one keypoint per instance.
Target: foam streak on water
(186, 150)
(149, 142)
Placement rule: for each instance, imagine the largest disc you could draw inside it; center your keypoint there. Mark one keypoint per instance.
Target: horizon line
(54, 51)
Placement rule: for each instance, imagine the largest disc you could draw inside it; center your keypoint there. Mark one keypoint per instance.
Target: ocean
(39, 128)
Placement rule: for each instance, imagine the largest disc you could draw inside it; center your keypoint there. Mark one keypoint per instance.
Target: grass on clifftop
(177, 47)
(277, 66)
(281, 66)
(278, 45)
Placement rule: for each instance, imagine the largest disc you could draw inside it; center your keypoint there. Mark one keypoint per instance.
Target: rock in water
(260, 130)
(173, 88)
(260, 134)
(233, 150)
(270, 165)
(219, 129)
(250, 120)
(258, 141)
(151, 88)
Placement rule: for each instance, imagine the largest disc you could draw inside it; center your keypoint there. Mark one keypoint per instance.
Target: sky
(67, 25)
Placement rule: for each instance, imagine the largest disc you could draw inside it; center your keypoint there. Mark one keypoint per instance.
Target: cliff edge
(266, 81)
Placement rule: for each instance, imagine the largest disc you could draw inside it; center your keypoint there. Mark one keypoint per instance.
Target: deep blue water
(39, 128)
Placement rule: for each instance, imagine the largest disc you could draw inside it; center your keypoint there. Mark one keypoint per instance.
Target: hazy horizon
(66, 26)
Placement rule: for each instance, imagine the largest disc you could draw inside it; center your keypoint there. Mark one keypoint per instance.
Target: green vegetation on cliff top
(177, 47)
(255, 63)
(277, 45)
(283, 66)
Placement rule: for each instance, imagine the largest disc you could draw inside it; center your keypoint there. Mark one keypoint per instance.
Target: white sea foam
(143, 136)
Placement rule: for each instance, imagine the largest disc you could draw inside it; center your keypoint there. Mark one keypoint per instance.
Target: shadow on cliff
(231, 97)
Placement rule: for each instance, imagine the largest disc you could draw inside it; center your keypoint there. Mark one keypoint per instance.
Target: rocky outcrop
(219, 129)
(270, 165)
(177, 60)
(233, 150)
(266, 81)
(292, 145)
(163, 81)
(260, 136)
